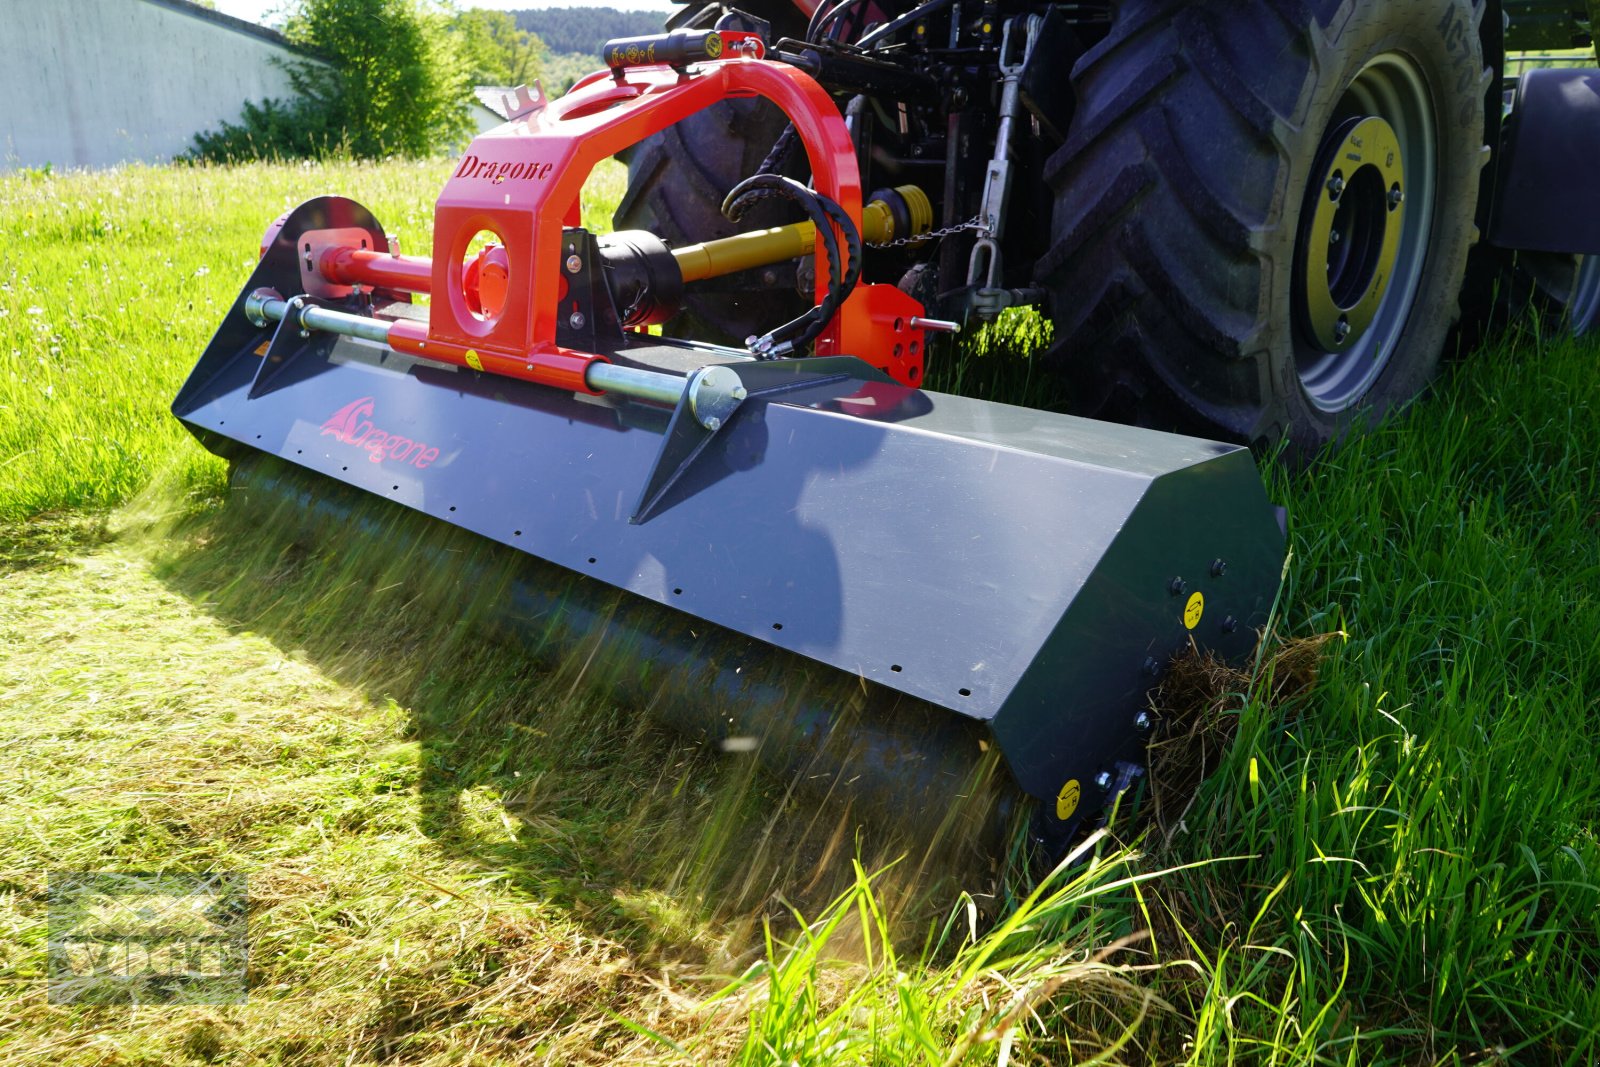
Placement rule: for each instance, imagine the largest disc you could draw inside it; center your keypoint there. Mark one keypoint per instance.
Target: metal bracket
(714, 399)
(290, 341)
(586, 318)
(521, 102)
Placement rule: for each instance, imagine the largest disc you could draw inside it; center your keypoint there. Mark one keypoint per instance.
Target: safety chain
(933, 235)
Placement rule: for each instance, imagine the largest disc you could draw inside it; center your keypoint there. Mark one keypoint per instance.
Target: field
(455, 857)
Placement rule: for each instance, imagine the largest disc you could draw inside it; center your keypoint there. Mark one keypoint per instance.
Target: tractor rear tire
(677, 180)
(1198, 209)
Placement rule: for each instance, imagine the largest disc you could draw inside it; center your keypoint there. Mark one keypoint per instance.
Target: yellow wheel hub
(1352, 238)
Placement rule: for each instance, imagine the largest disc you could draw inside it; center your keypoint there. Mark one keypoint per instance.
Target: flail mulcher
(981, 572)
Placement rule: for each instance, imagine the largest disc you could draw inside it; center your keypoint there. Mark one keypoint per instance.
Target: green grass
(454, 857)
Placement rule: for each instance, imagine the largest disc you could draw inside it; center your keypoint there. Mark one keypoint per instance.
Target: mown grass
(455, 857)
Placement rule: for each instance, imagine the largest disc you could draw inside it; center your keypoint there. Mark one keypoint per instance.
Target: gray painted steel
(1021, 568)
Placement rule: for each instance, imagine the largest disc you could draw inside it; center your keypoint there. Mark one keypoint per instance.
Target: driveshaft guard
(1028, 569)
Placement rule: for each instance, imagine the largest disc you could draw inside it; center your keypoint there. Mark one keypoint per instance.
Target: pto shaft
(897, 214)
(900, 213)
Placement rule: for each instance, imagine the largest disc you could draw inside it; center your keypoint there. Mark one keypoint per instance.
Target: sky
(261, 10)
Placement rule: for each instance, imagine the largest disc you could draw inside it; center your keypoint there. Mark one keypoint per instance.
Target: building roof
(228, 21)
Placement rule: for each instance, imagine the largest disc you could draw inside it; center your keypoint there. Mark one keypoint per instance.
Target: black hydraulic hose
(822, 21)
(779, 153)
(821, 16)
(894, 26)
(843, 271)
(802, 329)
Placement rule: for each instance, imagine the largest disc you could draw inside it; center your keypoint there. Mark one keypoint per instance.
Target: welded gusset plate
(1547, 197)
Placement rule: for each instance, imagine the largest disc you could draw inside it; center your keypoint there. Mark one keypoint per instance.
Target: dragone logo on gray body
(352, 425)
(121, 938)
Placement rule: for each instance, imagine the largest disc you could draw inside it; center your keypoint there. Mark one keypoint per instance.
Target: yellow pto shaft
(760, 248)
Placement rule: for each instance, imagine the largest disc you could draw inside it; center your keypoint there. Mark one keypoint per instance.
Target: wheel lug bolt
(1336, 186)
(1341, 330)
(1335, 237)
(1396, 198)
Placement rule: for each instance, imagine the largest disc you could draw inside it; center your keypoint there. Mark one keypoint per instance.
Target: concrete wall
(96, 82)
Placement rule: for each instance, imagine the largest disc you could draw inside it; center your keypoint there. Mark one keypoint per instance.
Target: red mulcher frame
(522, 180)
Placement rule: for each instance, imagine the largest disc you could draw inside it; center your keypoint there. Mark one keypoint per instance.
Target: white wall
(96, 82)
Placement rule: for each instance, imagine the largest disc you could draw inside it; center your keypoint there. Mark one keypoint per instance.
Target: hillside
(585, 29)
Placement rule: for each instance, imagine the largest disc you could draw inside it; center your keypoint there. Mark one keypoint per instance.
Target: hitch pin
(934, 325)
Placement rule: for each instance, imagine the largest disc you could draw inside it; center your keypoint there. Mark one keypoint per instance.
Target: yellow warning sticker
(1067, 799)
(477, 364)
(1192, 611)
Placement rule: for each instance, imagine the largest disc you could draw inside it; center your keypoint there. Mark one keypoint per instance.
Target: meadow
(1376, 844)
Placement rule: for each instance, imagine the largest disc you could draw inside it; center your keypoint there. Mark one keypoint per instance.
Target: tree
(393, 74)
(494, 51)
(390, 81)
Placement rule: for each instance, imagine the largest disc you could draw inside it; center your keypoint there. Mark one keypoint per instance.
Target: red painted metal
(875, 324)
(360, 266)
(521, 182)
(272, 233)
(560, 368)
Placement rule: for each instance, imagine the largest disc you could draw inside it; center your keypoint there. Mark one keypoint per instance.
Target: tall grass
(454, 855)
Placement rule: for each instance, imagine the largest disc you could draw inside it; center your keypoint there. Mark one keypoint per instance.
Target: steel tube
(636, 383)
(600, 376)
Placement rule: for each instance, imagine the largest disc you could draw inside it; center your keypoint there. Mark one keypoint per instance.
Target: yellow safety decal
(714, 45)
(1192, 611)
(1067, 799)
(477, 364)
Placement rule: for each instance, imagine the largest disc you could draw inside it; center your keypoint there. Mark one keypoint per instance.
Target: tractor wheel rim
(1364, 231)
(1584, 306)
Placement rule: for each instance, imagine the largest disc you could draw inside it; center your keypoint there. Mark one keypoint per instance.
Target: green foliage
(389, 81)
(493, 50)
(586, 29)
(562, 69)
(572, 38)
(394, 72)
(305, 127)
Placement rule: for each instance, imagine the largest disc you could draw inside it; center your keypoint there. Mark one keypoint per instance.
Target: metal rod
(639, 384)
(264, 305)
